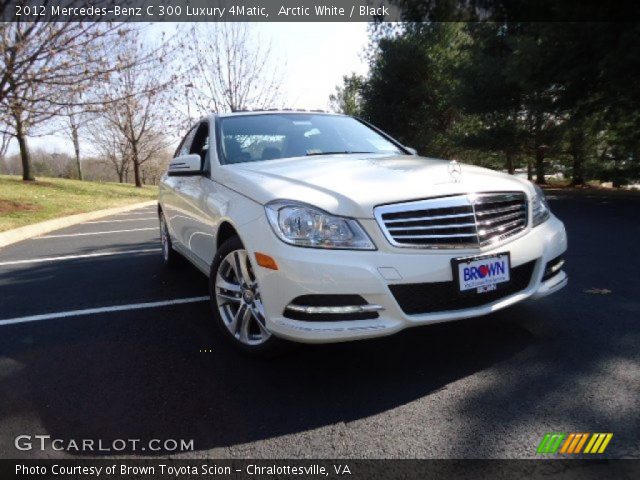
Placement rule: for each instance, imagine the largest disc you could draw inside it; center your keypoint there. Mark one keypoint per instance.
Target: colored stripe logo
(573, 443)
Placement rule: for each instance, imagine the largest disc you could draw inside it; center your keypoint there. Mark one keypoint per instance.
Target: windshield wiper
(334, 153)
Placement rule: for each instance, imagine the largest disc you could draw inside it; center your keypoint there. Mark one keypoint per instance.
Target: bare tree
(43, 65)
(110, 147)
(74, 122)
(134, 100)
(231, 69)
(152, 170)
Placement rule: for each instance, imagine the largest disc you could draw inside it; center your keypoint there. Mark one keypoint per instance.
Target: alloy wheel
(238, 299)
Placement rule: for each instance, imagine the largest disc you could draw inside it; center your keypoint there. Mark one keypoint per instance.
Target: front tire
(237, 303)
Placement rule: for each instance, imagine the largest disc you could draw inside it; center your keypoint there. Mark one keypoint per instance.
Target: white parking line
(86, 255)
(96, 233)
(90, 311)
(123, 220)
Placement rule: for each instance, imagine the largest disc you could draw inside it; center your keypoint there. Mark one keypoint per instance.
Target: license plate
(481, 274)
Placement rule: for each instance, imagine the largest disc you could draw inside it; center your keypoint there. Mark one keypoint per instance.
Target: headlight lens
(540, 207)
(306, 226)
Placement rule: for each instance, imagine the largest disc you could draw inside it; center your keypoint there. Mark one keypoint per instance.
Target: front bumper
(308, 271)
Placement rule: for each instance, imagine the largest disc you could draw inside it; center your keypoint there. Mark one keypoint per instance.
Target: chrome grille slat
(499, 227)
(457, 221)
(492, 221)
(482, 213)
(435, 227)
(488, 199)
(437, 217)
(456, 235)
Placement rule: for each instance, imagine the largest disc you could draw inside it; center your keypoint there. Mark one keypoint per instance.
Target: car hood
(352, 185)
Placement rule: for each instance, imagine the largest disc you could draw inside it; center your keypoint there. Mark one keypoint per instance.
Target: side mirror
(185, 165)
(412, 151)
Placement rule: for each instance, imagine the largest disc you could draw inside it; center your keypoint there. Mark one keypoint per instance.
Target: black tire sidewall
(172, 259)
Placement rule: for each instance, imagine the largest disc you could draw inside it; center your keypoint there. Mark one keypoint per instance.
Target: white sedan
(317, 227)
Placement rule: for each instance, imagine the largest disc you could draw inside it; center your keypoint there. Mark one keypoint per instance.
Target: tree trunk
(510, 168)
(577, 151)
(136, 174)
(577, 177)
(136, 164)
(76, 148)
(529, 170)
(27, 175)
(540, 166)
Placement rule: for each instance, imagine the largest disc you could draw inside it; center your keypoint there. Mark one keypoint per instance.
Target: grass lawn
(24, 203)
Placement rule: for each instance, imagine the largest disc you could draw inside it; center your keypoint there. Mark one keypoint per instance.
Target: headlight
(540, 207)
(306, 226)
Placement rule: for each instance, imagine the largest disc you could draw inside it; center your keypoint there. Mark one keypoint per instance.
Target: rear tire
(237, 304)
(170, 257)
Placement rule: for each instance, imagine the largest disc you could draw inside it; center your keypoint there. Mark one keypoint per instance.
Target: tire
(236, 303)
(170, 257)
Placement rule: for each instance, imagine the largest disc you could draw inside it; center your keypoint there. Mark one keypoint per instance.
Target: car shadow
(166, 374)
(565, 363)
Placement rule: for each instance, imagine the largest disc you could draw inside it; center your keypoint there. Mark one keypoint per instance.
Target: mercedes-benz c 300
(317, 227)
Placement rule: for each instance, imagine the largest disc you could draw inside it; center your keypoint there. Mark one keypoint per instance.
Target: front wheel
(237, 302)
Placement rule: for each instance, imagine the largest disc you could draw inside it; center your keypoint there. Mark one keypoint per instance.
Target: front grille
(459, 221)
(416, 298)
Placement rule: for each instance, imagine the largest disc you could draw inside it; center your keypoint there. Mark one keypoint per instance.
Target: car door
(173, 204)
(197, 228)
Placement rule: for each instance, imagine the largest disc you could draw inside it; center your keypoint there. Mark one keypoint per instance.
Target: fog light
(553, 267)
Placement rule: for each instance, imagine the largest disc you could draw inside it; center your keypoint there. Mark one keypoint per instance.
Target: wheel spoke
(234, 325)
(259, 319)
(237, 267)
(223, 284)
(245, 322)
(258, 314)
(228, 298)
(242, 260)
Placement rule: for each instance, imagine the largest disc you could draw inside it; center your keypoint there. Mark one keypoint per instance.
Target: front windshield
(253, 138)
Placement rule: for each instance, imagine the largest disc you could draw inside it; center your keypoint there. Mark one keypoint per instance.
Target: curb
(30, 231)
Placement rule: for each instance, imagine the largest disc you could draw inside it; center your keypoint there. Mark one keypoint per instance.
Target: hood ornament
(455, 170)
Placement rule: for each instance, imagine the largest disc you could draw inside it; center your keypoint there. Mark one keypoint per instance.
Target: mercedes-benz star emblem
(455, 170)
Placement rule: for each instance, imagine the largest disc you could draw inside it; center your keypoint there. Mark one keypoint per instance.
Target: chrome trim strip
(435, 227)
(452, 235)
(346, 309)
(435, 217)
(500, 219)
(499, 210)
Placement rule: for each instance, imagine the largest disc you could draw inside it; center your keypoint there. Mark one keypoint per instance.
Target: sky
(315, 57)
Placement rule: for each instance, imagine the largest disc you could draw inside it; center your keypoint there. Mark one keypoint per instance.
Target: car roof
(275, 111)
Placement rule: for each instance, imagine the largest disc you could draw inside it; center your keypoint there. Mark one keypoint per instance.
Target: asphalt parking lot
(481, 388)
